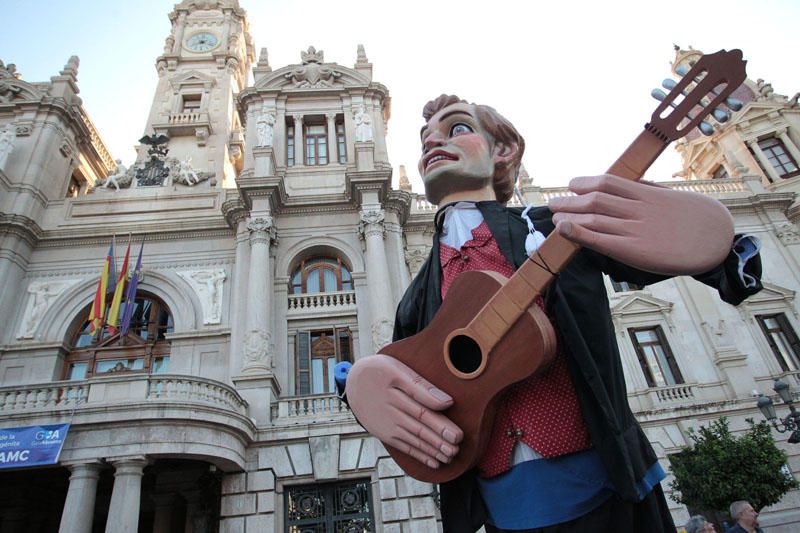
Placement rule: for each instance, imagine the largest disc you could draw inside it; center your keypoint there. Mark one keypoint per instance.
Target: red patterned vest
(543, 410)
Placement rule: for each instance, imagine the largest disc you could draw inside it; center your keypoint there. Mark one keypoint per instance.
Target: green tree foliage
(720, 468)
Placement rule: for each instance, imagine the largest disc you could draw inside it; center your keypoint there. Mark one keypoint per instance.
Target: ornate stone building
(274, 247)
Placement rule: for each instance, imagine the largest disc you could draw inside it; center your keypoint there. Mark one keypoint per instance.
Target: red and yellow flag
(96, 315)
(119, 291)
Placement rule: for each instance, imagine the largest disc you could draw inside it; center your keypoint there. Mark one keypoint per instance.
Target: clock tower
(203, 68)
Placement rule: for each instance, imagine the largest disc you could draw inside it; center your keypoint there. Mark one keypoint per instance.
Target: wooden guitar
(488, 334)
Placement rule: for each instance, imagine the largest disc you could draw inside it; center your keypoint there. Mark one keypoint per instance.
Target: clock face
(202, 42)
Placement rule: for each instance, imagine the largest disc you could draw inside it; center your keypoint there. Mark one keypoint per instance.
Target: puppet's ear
(504, 153)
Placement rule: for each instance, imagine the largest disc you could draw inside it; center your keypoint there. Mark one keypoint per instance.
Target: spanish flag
(119, 290)
(96, 315)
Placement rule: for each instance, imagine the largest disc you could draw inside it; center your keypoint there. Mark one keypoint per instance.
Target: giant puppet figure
(565, 452)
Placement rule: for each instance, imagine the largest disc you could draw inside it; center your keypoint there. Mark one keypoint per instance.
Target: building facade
(274, 247)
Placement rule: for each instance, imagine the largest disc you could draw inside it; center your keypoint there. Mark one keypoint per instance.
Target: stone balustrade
(43, 397)
(304, 409)
(187, 118)
(674, 393)
(323, 302)
(130, 388)
(192, 389)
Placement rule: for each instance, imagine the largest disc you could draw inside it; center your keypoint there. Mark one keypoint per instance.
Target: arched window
(143, 349)
(321, 274)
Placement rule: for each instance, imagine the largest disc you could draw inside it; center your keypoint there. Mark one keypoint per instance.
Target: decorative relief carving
(382, 332)
(787, 233)
(65, 149)
(41, 296)
(23, 130)
(208, 285)
(262, 228)
(313, 73)
(372, 223)
(7, 138)
(257, 350)
(415, 258)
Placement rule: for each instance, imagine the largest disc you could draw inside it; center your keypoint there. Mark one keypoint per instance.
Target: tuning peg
(720, 115)
(682, 70)
(706, 128)
(669, 84)
(734, 104)
(658, 94)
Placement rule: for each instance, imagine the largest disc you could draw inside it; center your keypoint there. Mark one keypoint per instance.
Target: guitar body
(529, 345)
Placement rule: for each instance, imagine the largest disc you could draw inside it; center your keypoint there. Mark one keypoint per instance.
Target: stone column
(123, 513)
(79, 506)
(789, 144)
(765, 164)
(333, 145)
(181, 24)
(372, 230)
(239, 292)
(299, 149)
(257, 339)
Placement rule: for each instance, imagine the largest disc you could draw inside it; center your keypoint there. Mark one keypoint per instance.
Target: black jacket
(579, 302)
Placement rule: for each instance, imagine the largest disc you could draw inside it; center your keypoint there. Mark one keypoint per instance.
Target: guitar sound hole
(465, 354)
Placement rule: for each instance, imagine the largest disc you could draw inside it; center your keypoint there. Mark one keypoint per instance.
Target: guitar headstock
(701, 92)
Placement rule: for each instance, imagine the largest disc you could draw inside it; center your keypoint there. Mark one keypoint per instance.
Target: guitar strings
(543, 265)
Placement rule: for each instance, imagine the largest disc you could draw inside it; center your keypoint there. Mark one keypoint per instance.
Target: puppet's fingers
(606, 183)
(596, 223)
(594, 202)
(605, 243)
(433, 428)
(406, 442)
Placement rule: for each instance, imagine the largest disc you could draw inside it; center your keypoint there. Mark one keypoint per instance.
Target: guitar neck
(534, 276)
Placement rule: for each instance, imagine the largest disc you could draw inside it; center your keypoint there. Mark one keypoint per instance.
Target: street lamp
(792, 421)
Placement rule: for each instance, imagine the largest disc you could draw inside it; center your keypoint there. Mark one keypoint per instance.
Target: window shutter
(303, 352)
(762, 321)
(648, 375)
(673, 364)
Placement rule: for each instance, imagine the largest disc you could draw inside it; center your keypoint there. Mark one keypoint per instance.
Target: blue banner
(32, 445)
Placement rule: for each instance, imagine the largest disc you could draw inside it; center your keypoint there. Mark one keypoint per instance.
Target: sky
(574, 76)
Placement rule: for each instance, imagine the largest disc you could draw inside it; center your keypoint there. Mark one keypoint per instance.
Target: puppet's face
(456, 153)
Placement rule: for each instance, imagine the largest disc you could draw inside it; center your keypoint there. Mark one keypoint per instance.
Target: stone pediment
(193, 77)
(771, 294)
(638, 304)
(13, 89)
(330, 75)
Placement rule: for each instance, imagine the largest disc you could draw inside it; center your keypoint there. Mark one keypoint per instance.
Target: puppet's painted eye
(460, 129)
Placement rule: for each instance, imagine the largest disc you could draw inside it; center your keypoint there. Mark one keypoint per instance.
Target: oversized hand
(399, 407)
(645, 225)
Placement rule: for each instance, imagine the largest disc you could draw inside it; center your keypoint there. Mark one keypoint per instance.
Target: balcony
(322, 304)
(301, 410)
(131, 396)
(195, 123)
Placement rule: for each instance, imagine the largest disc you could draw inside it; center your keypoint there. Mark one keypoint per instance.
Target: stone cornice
(22, 226)
(67, 238)
(400, 203)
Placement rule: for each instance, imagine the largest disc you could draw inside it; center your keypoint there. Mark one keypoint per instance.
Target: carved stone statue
(265, 127)
(117, 177)
(363, 125)
(7, 137)
(313, 73)
(186, 173)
